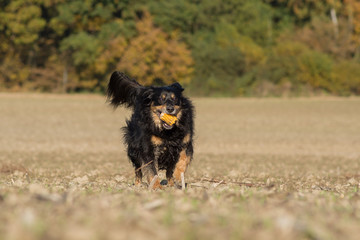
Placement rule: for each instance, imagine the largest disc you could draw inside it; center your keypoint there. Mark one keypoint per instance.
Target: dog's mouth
(164, 124)
(167, 126)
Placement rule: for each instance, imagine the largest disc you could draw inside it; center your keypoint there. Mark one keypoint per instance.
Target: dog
(153, 144)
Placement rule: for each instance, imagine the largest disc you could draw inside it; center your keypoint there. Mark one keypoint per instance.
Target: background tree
(155, 57)
(215, 47)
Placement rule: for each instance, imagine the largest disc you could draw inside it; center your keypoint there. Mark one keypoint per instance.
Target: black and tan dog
(153, 144)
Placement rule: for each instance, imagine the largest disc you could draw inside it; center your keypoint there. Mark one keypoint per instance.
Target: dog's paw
(155, 183)
(164, 182)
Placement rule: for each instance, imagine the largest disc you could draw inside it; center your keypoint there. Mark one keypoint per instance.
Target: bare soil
(263, 169)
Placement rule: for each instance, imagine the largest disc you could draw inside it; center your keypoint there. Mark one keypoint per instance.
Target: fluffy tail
(122, 90)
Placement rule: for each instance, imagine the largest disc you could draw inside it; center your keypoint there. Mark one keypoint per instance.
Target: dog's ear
(177, 86)
(148, 96)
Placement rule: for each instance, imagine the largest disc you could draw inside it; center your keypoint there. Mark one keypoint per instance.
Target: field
(263, 169)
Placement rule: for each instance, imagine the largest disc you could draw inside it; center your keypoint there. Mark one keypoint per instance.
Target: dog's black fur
(152, 144)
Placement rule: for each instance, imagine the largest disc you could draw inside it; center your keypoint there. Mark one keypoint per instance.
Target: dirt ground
(263, 169)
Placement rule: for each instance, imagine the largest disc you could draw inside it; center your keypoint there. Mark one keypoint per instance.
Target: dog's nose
(170, 109)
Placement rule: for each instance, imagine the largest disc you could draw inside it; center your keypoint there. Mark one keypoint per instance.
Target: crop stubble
(263, 169)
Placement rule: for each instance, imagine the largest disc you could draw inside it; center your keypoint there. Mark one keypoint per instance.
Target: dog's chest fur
(167, 151)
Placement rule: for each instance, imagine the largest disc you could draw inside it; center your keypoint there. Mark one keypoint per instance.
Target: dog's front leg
(180, 168)
(149, 170)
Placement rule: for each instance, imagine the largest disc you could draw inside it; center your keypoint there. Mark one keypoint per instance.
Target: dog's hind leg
(138, 170)
(182, 181)
(138, 176)
(180, 168)
(169, 176)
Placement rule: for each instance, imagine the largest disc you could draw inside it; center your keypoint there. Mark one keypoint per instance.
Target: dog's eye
(162, 98)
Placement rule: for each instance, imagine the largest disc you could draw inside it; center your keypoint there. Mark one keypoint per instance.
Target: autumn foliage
(156, 57)
(214, 47)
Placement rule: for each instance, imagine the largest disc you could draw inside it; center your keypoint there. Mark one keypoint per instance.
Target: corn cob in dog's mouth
(169, 120)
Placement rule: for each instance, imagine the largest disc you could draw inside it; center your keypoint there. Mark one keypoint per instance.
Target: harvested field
(263, 169)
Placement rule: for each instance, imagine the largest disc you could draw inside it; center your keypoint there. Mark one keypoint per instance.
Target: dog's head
(165, 100)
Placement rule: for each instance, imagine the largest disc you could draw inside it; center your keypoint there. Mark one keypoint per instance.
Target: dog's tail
(122, 90)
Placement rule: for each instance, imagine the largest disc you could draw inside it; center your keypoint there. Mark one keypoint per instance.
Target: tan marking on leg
(181, 165)
(186, 139)
(138, 177)
(156, 140)
(156, 184)
(170, 182)
(149, 172)
(137, 181)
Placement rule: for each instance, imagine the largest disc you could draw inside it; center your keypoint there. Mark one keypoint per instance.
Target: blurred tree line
(214, 47)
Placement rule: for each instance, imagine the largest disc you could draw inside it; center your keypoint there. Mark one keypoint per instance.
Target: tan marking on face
(157, 108)
(178, 115)
(181, 165)
(155, 117)
(172, 96)
(156, 140)
(186, 138)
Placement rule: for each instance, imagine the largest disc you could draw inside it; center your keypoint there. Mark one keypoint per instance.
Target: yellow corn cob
(169, 119)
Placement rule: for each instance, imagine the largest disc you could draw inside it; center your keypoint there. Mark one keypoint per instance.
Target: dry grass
(263, 169)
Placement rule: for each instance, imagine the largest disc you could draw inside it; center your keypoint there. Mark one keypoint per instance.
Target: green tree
(239, 47)
(295, 65)
(219, 61)
(21, 24)
(346, 75)
(251, 18)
